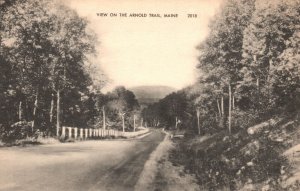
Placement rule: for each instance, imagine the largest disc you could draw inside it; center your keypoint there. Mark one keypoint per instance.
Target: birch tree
(221, 54)
(71, 43)
(273, 23)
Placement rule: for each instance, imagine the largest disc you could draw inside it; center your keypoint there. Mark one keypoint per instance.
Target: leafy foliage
(45, 51)
(16, 131)
(248, 73)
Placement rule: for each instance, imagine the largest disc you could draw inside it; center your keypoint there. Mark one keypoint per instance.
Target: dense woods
(248, 68)
(47, 77)
(249, 73)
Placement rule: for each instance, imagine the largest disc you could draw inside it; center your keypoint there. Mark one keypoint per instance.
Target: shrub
(242, 119)
(17, 131)
(265, 163)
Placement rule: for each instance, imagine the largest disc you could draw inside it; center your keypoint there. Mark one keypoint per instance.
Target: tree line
(47, 77)
(249, 74)
(248, 68)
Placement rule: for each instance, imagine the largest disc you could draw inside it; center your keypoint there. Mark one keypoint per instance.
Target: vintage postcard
(149, 95)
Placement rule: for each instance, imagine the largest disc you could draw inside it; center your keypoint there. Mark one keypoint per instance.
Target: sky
(135, 51)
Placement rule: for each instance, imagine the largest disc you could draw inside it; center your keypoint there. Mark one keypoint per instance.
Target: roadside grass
(150, 170)
(30, 142)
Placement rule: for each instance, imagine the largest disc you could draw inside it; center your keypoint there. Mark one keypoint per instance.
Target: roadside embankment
(262, 157)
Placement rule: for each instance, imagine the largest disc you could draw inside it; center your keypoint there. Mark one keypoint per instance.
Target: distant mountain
(151, 94)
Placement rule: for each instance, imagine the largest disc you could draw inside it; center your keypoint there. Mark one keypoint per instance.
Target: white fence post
(91, 132)
(86, 133)
(70, 132)
(75, 132)
(81, 133)
(63, 132)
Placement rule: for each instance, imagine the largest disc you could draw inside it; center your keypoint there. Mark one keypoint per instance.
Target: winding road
(107, 165)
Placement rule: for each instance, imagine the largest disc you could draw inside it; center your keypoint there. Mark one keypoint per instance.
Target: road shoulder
(160, 174)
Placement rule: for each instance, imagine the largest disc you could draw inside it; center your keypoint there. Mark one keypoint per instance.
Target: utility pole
(133, 122)
(58, 113)
(123, 121)
(103, 111)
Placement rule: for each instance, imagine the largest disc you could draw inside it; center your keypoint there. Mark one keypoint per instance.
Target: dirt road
(90, 165)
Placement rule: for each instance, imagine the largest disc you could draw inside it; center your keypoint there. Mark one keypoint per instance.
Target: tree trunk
(58, 113)
(133, 122)
(222, 105)
(198, 121)
(35, 110)
(142, 122)
(20, 111)
(219, 109)
(269, 86)
(258, 95)
(104, 122)
(123, 123)
(52, 108)
(229, 112)
(270, 68)
(26, 116)
(233, 104)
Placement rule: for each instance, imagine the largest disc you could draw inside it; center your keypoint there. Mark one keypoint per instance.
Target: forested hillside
(248, 74)
(147, 95)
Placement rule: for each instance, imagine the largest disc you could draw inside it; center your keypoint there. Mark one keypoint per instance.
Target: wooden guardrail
(81, 133)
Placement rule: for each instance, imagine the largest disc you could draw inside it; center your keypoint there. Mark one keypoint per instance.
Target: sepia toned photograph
(149, 95)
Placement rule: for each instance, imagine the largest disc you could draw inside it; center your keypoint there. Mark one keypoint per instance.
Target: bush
(17, 131)
(262, 164)
(242, 119)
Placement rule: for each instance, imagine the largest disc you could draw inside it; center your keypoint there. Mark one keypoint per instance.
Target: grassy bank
(240, 161)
